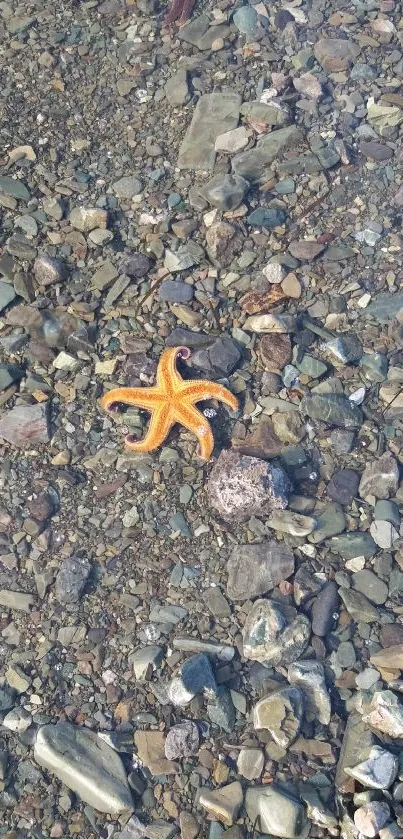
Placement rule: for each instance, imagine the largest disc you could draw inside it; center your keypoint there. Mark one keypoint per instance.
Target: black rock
(218, 360)
(324, 608)
(136, 265)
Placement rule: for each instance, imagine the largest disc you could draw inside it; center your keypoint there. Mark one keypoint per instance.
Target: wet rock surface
(190, 648)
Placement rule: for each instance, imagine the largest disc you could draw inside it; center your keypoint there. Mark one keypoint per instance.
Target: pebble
(72, 578)
(232, 141)
(280, 713)
(17, 720)
(182, 740)
(126, 188)
(189, 826)
(86, 219)
(378, 771)
(48, 270)
(350, 545)
(250, 763)
(275, 811)
(358, 606)
(380, 478)
(25, 425)
(324, 608)
(223, 803)
(218, 359)
(146, 660)
(305, 250)
(196, 676)
(332, 408)
(14, 187)
(221, 709)
(285, 521)
(373, 587)
(175, 292)
(226, 192)
(7, 295)
(254, 570)
(270, 638)
(86, 765)
(372, 817)
(309, 676)
(336, 54)
(343, 486)
(240, 486)
(275, 352)
(385, 714)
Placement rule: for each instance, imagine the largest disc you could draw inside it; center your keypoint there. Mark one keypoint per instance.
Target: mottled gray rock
(269, 638)
(167, 613)
(26, 425)
(182, 740)
(71, 578)
(127, 187)
(378, 771)
(358, 741)
(48, 270)
(221, 710)
(177, 89)
(333, 408)
(280, 713)
(385, 714)
(86, 764)
(240, 486)
(358, 606)
(254, 164)
(350, 545)
(343, 486)
(380, 478)
(255, 569)
(370, 818)
(309, 676)
(196, 676)
(214, 114)
(275, 811)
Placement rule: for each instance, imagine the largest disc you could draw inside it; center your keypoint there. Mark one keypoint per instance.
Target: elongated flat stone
(214, 114)
(253, 164)
(86, 764)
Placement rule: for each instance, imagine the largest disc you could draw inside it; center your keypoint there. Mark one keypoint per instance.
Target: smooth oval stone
(324, 609)
(373, 587)
(288, 522)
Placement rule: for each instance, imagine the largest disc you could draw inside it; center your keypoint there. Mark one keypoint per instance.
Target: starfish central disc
(172, 400)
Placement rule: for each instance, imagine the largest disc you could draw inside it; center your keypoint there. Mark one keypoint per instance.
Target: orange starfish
(171, 401)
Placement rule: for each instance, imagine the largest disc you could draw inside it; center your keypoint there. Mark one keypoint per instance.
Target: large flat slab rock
(86, 764)
(214, 114)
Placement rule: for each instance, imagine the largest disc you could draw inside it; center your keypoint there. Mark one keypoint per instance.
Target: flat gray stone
(225, 191)
(384, 307)
(86, 764)
(254, 163)
(214, 114)
(7, 295)
(14, 187)
(332, 408)
(254, 570)
(275, 811)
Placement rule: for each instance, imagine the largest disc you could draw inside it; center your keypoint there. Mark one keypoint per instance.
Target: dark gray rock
(71, 578)
(7, 295)
(136, 266)
(266, 217)
(196, 676)
(240, 486)
(343, 486)
(221, 710)
(225, 191)
(9, 374)
(175, 292)
(218, 360)
(333, 408)
(254, 164)
(350, 545)
(324, 609)
(255, 569)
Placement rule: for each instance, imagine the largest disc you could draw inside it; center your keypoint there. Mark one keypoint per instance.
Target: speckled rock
(240, 486)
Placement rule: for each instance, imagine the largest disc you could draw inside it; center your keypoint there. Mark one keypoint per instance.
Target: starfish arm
(188, 416)
(146, 398)
(198, 390)
(161, 422)
(168, 378)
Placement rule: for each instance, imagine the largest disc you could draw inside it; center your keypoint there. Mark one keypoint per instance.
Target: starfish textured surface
(172, 400)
